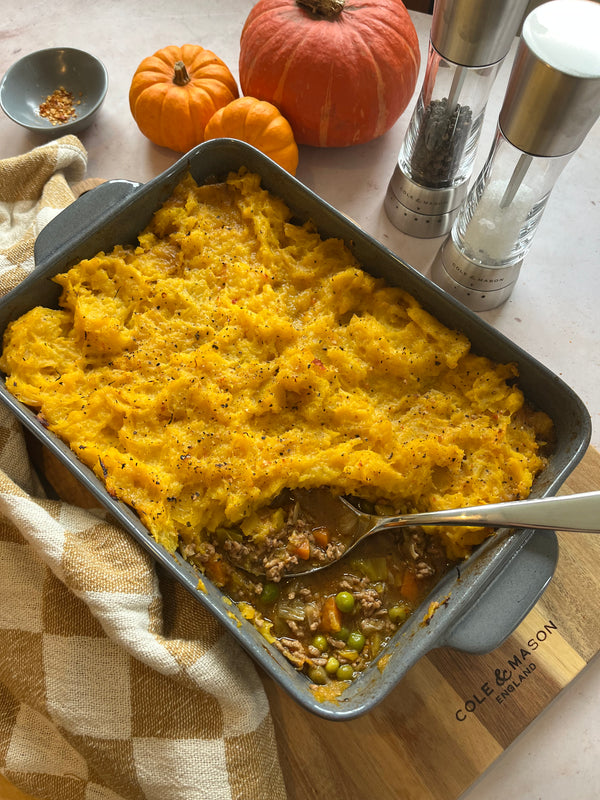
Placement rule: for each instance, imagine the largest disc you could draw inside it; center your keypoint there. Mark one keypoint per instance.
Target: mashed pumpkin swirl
(232, 354)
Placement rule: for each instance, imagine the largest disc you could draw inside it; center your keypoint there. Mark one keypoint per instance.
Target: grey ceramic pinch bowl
(38, 75)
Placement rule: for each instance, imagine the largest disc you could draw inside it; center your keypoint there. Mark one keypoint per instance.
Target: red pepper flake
(59, 107)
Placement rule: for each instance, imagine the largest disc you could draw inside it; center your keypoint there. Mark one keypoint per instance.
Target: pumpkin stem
(181, 77)
(323, 8)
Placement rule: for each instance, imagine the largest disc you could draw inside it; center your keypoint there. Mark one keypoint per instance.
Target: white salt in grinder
(551, 102)
(468, 43)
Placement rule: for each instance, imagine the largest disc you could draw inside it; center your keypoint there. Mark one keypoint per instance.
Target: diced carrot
(321, 536)
(217, 571)
(410, 586)
(331, 616)
(302, 549)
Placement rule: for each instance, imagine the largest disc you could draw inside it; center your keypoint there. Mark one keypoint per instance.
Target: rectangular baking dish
(491, 592)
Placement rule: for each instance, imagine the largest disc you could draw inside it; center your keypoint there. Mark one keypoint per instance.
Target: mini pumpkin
(260, 124)
(176, 91)
(340, 72)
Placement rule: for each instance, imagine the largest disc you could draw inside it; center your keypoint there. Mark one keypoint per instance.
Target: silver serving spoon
(574, 512)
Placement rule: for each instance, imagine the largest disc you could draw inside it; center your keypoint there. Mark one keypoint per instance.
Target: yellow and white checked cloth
(115, 684)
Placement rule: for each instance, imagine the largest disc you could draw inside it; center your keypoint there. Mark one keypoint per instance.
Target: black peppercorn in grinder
(468, 43)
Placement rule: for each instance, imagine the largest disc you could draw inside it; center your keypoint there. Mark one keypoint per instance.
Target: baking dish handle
(79, 216)
(508, 599)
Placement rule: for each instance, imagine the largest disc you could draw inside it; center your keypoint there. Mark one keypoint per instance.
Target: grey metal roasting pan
(501, 581)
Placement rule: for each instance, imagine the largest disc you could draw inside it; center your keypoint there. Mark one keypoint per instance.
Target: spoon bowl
(349, 525)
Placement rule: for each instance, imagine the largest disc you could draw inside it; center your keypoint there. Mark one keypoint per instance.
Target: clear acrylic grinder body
(468, 43)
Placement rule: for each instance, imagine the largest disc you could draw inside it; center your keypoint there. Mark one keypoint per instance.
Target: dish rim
(482, 573)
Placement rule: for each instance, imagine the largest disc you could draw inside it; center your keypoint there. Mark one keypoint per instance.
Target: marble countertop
(553, 312)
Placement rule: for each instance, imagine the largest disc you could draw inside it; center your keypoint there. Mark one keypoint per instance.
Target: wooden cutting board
(453, 714)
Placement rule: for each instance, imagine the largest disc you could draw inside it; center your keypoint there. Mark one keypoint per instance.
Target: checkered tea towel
(115, 684)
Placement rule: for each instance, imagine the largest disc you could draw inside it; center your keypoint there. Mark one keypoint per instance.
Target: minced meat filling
(334, 623)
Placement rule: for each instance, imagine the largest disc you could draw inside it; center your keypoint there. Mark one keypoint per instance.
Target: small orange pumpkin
(260, 124)
(176, 91)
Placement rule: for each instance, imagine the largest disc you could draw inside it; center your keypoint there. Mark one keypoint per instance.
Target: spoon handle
(574, 512)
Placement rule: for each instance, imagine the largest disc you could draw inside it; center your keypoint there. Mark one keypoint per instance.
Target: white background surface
(553, 312)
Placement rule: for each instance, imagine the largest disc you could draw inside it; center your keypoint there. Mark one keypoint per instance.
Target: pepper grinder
(468, 43)
(551, 102)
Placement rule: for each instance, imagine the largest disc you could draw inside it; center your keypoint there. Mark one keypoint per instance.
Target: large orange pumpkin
(176, 91)
(341, 72)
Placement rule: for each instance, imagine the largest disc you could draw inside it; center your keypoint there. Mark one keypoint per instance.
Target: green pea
(356, 641)
(345, 602)
(345, 672)
(270, 593)
(317, 675)
(320, 642)
(332, 665)
(343, 633)
(398, 614)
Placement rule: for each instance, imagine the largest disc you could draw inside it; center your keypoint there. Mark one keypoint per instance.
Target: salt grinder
(551, 102)
(468, 43)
